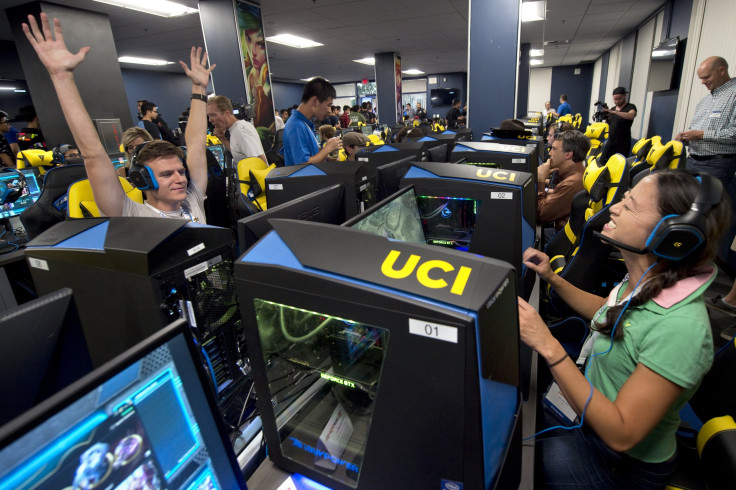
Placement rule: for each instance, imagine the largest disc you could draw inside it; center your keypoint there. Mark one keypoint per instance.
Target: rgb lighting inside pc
(323, 374)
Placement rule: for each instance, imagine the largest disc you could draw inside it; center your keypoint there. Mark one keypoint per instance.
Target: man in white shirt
(239, 136)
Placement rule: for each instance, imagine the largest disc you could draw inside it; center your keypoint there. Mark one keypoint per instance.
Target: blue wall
(446, 80)
(286, 94)
(577, 88)
(627, 69)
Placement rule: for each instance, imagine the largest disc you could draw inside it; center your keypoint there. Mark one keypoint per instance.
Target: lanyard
(183, 210)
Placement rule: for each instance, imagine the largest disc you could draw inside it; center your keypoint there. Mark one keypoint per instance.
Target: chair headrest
(596, 179)
(258, 180)
(641, 150)
(660, 156)
(597, 131)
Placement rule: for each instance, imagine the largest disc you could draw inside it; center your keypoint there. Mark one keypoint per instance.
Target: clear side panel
(323, 375)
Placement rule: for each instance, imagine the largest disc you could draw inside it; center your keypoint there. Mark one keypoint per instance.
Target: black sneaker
(728, 333)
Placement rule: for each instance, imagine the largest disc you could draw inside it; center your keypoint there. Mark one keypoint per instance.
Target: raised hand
(199, 74)
(50, 47)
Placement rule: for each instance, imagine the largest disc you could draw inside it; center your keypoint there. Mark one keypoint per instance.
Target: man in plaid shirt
(711, 136)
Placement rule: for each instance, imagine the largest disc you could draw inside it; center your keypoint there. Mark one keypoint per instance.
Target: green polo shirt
(669, 334)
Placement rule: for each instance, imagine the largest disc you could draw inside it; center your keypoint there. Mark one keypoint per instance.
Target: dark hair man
(7, 157)
(355, 116)
(239, 136)
(454, 116)
(419, 112)
(564, 109)
(300, 144)
(620, 120)
(174, 196)
(150, 113)
(345, 117)
(566, 157)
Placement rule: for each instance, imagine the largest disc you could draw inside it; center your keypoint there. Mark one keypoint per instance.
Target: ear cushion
(143, 178)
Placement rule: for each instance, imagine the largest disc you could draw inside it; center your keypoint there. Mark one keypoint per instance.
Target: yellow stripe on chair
(569, 233)
(713, 427)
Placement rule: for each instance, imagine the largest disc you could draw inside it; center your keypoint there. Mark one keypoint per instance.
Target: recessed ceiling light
(164, 8)
(413, 71)
(144, 61)
(531, 11)
(367, 61)
(536, 52)
(293, 41)
(536, 62)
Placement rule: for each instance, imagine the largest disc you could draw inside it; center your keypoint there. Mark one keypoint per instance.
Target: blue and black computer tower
(382, 364)
(526, 139)
(133, 276)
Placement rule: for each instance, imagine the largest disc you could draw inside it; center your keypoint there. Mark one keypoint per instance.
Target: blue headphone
(677, 236)
(141, 176)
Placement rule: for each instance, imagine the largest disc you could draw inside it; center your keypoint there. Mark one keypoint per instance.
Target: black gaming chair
(51, 206)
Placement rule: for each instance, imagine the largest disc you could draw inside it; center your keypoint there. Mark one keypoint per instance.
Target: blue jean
(578, 459)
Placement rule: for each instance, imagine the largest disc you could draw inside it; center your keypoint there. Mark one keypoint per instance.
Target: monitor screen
(662, 65)
(323, 206)
(143, 421)
(367, 129)
(10, 181)
(448, 221)
(443, 96)
(397, 218)
(119, 160)
(438, 153)
(110, 131)
(390, 175)
(219, 152)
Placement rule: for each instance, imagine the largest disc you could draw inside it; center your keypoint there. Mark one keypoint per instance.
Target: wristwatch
(201, 97)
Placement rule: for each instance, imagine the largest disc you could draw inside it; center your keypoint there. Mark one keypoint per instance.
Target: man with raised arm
(169, 194)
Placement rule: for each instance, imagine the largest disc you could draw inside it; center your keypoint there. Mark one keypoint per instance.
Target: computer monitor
(118, 159)
(323, 206)
(367, 128)
(480, 210)
(111, 132)
(508, 157)
(43, 351)
(463, 134)
(515, 138)
(219, 152)
(396, 217)
(369, 343)
(286, 183)
(390, 175)
(375, 156)
(438, 153)
(145, 420)
(11, 181)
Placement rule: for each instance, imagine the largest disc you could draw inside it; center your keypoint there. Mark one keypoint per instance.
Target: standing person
(620, 120)
(370, 115)
(547, 109)
(419, 112)
(564, 108)
(345, 117)
(7, 157)
(150, 113)
(711, 136)
(355, 116)
(335, 116)
(409, 112)
(300, 144)
(239, 136)
(650, 343)
(454, 116)
(169, 193)
(31, 137)
(278, 123)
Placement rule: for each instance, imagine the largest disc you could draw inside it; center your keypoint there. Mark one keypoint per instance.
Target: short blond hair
(130, 135)
(222, 103)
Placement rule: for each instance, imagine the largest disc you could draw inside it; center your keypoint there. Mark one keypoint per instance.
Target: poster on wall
(255, 64)
(397, 78)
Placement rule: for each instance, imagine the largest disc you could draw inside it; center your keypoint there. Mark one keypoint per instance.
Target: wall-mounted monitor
(443, 96)
(662, 65)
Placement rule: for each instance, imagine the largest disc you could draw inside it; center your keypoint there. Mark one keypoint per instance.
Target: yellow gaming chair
(252, 175)
(660, 157)
(42, 159)
(597, 133)
(82, 202)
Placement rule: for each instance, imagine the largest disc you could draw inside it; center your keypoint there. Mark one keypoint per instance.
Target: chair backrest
(597, 133)
(41, 159)
(245, 166)
(51, 206)
(81, 201)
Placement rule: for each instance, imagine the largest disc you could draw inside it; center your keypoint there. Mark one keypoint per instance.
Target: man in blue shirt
(564, 108)
(300, 144)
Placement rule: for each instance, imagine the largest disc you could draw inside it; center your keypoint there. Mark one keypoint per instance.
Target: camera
(600, 115)
(244, 111)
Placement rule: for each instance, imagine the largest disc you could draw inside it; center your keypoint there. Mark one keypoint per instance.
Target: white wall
(640, 76)
(710, 31)
(540, 87)
(595, 85)
(614, 70)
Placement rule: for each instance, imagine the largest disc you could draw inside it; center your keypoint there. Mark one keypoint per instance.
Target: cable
(590, 361)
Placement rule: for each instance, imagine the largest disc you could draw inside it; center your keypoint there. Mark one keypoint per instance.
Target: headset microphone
(617, 244)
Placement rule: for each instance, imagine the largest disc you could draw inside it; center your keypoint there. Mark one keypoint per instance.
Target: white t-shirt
(244, 141)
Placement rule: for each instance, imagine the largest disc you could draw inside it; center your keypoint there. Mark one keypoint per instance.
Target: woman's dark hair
(677, 191)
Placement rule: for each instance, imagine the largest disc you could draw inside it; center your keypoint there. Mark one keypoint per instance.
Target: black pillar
(99, 78)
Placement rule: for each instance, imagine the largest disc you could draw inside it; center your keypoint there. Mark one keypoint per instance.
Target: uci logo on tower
(426, 272)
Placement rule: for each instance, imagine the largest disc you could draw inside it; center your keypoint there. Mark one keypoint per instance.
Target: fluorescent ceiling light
(366, 61)
(293, 41)
(144, 61)
(20, 91)
(536, 62)
(163, 8)
(7, 88)
(310, 79)
(536, 52)
(531, 11)
(413, 71)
